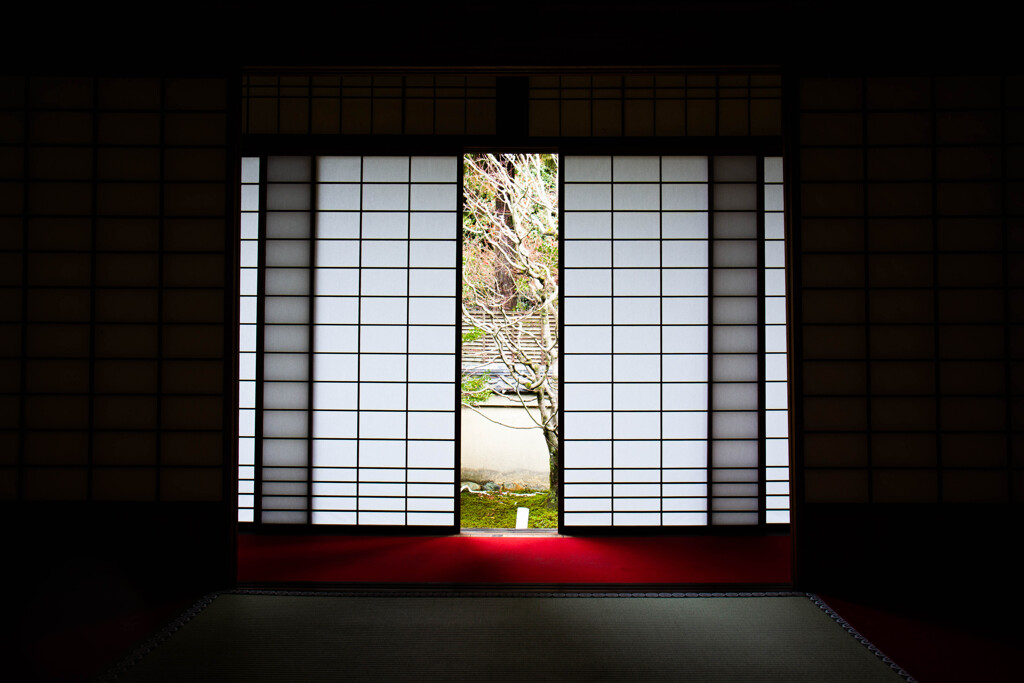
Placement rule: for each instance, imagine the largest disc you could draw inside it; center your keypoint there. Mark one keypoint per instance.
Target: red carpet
(511, 559)
(934, 650)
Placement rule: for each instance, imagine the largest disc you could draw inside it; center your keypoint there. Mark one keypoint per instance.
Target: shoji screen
(248, 278)
(735, 343)
(355, 348)
(776, 399)
(664, 338)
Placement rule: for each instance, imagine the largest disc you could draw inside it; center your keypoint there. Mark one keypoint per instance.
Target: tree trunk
(551, 437)
(506, 284)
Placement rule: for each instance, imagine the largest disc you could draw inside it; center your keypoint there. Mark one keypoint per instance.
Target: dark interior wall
(906, 211)
(116, 205)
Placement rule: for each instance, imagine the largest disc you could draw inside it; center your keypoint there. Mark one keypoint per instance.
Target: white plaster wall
(511, 457)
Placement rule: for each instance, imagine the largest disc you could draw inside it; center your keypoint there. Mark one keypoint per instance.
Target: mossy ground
(498, 511)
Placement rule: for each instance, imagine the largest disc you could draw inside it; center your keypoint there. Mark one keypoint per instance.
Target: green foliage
(472, 335)
(475, 387)
(496, 511)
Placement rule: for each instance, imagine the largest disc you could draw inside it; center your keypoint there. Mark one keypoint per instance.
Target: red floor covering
(938, 648)
(515, 559)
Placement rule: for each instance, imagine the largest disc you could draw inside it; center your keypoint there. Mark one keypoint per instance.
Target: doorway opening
(510, 342)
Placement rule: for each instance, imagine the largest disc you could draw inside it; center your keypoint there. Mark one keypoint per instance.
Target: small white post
(522, 518)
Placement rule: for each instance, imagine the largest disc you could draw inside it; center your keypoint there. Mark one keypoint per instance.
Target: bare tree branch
(511, 235)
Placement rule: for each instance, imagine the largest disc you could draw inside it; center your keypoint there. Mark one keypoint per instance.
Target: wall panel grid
(909, 216)
(674, 341)
(668, 104)
(114, 206)
(348, 328)
(368, 104)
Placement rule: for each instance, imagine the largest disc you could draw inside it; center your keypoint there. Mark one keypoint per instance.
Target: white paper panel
(432, 311)
(337, 253)
(288, 225)
(286, 281)
(333, 225)
(596, 197)
(286, 341)
(633, 282)
(735, 254)
(587, 168)
(385, 225)
(249, 254)
(684, 169)
(684, 310)
(588, 396)
(431, 454)
(660, 339)
(433, 225)
(774, 226)
(385, 197)
(734, 281)
(636, 397)
(288, 253)
(587, 311)
(688, 367)
(734, 197)
(362, 366)
(689, 396)
(288, 197)
(636, 253)
(635, 197)
(587, 476)
(727, 339)
(249, 231)
(433, 282)
(588, 281)
(735, 225)
(633, 169)
(587, 254)
(735, 168)
(685, 454)
(338, 169)
(286, 309)
(588, 454)
(636, 368)
(629, 425)
(684, 425)
(637, 339)
(248, 283)
(586, 425)
(636, 311)
(380, 310)
(385, 169)
(636, 224)
(679, 197)
(689, 225)
(684, 282)
(433, 197)
(592, 225)
(286, 395)
(637, 454)
(435, 169)
(588, 339)
(286, 169)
